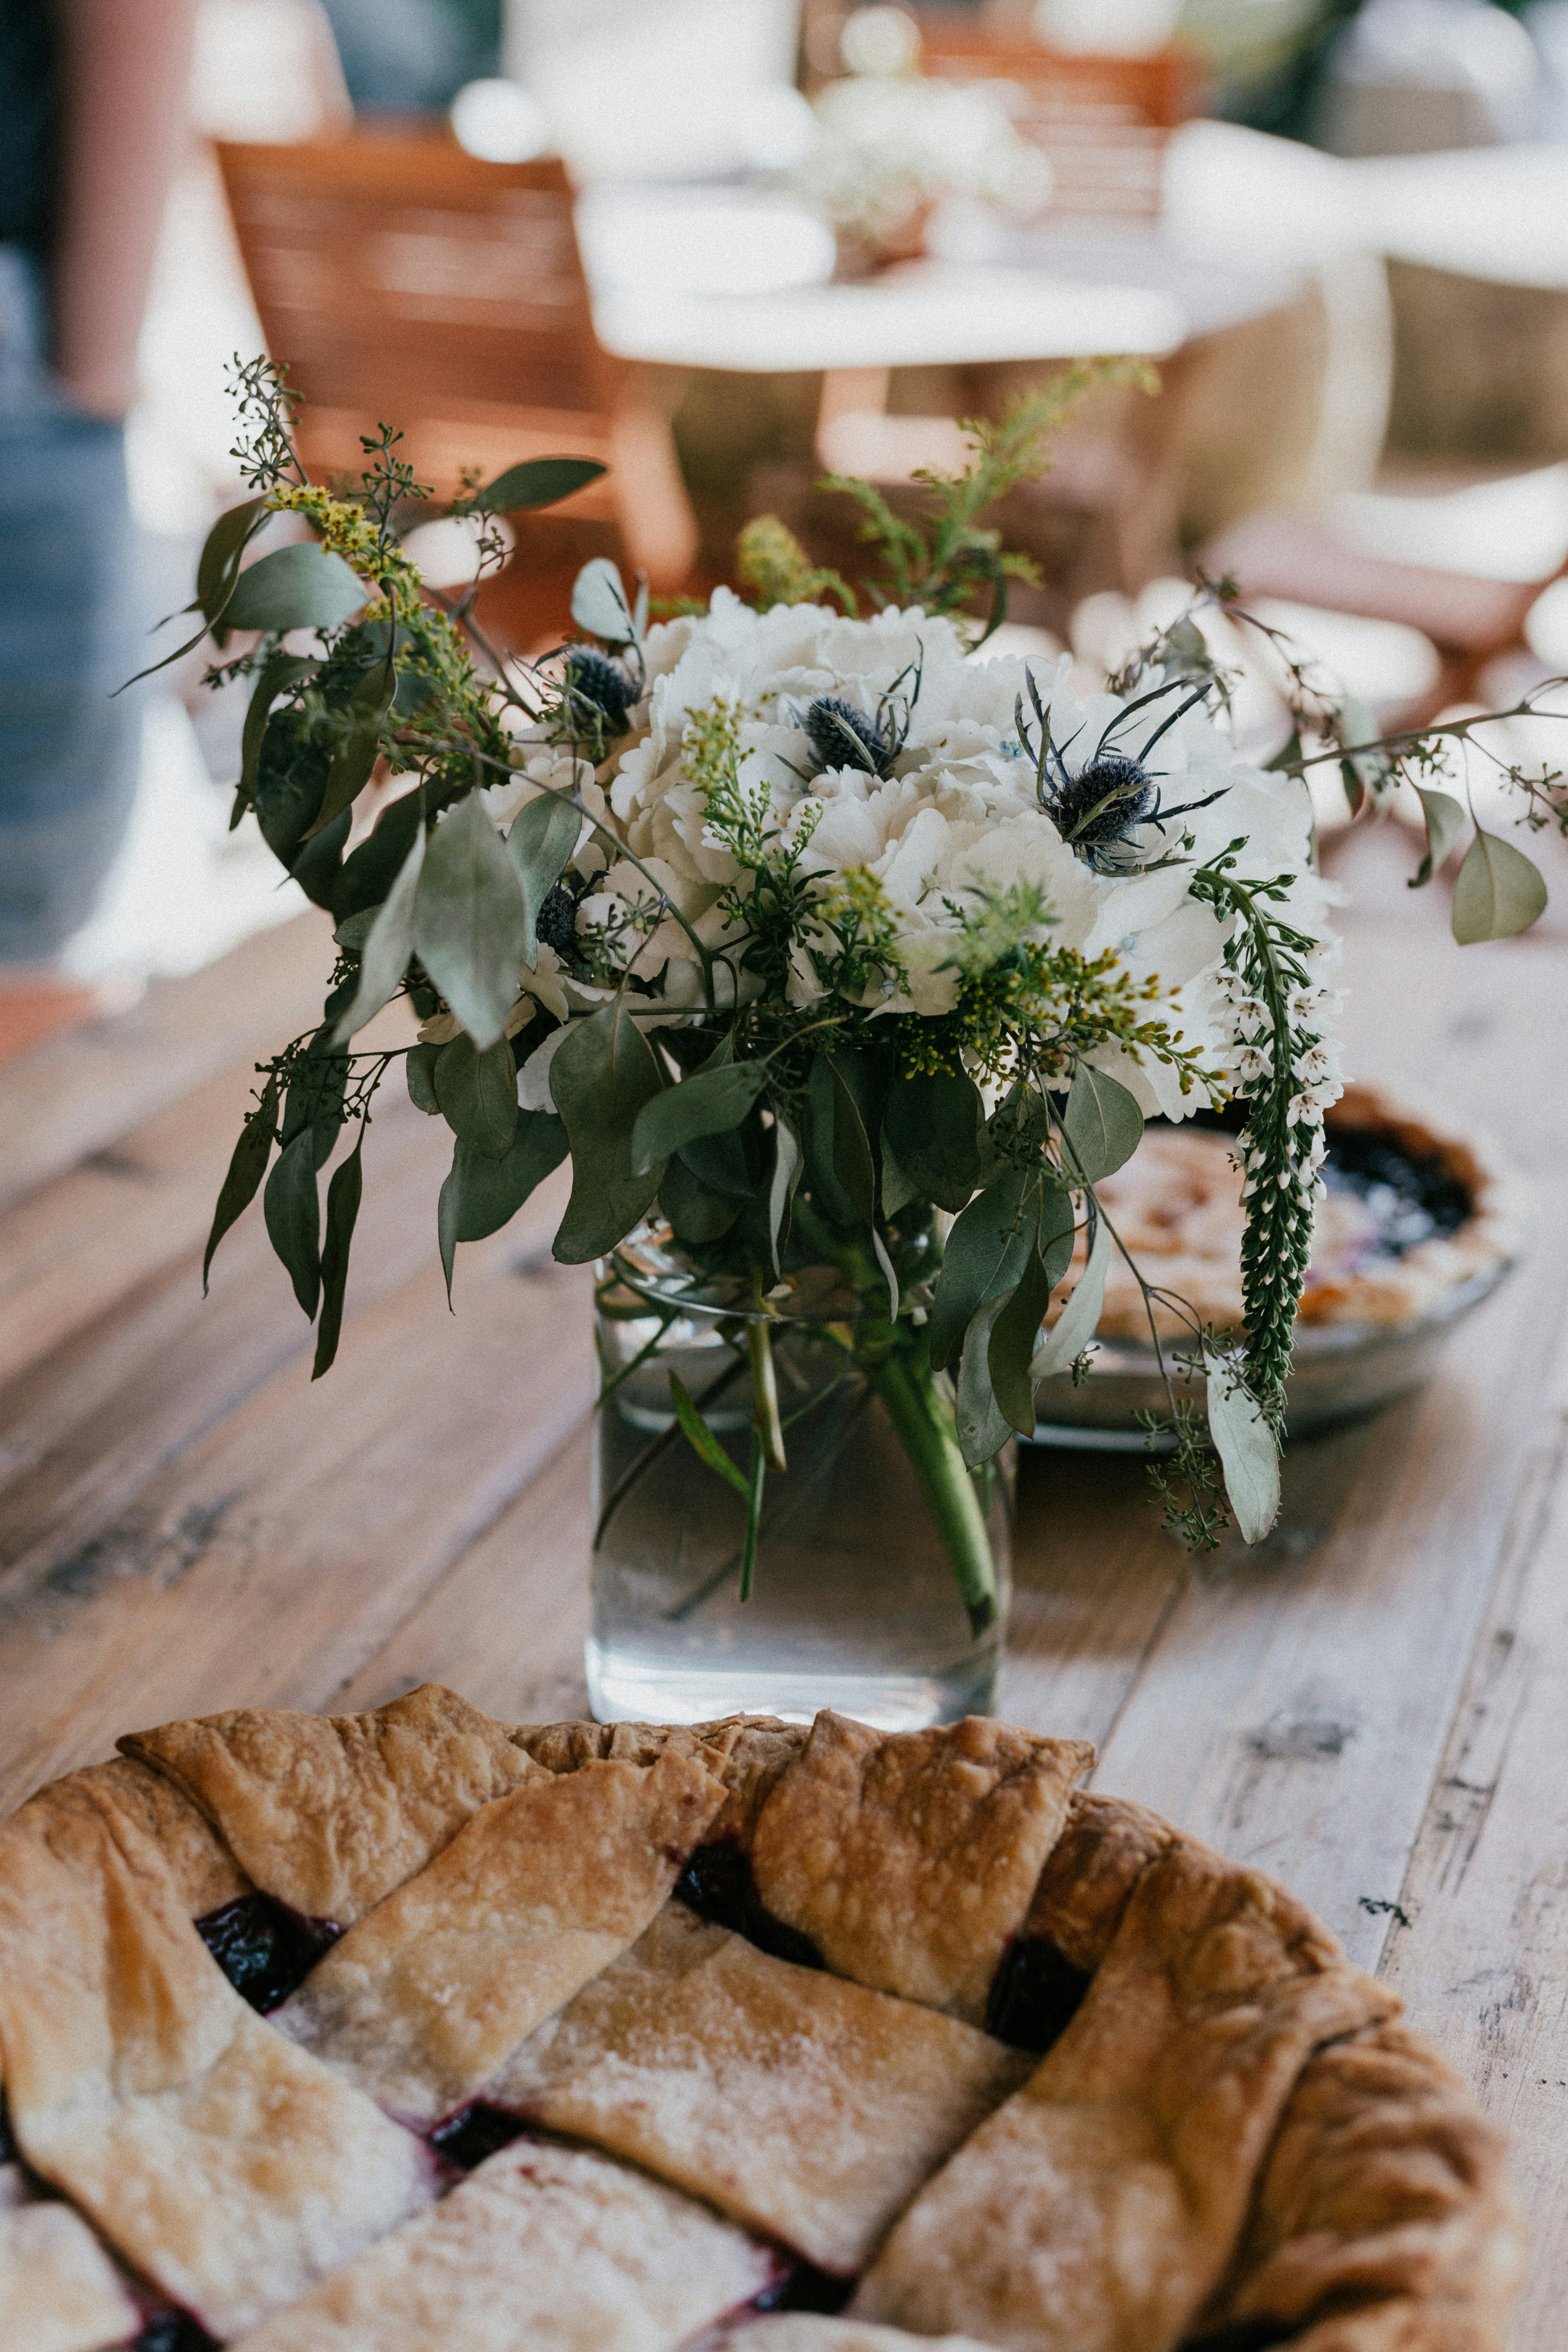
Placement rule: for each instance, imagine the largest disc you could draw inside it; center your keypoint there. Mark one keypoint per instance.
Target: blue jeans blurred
(71, 632)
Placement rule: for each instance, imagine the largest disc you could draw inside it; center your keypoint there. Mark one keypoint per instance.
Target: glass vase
(877, 1583)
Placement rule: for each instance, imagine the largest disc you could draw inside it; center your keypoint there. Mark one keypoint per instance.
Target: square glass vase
(855, 1602)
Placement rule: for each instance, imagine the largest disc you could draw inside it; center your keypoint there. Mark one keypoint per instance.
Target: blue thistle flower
(557, 924)
(1104, 805)
(598, 685)
(842, 737)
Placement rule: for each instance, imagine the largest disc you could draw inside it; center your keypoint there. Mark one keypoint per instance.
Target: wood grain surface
(1370, 1706)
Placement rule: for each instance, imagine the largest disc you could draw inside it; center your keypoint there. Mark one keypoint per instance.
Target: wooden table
(1372, 1706)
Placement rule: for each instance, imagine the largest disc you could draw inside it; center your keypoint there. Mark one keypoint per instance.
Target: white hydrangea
(958, 816)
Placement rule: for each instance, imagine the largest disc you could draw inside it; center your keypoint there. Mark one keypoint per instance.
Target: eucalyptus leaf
(932, 1125)
(1010, 1355)
(293, 1213)
(300, 587)
(383, 958)
(898, 1189)
(985, 1257)
(419, 1071)
(1103, 1124)
(343, 1195)
(217, 567)
(711, 1102)
(318, 864)
(354, 760)
(781, 1190)
(1247, 1449)
(469, 922)
(278, 671)
(600, 1080)
(1498, 891)
(1445, 823)
(696, 1213)
(888, 1274)
(542, 840)
(599, 603)
(841, 1172)
(481, 1194)
(245, 1170)
(1076, 1326)
(703, 1441)
(537, 482)
(723, 1163)
(984, 1428)
(354, 930)
(366, 876)
(477, 1090)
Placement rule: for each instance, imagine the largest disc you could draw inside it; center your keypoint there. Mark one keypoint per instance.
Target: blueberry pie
(1410, 1213)
(412, 2029)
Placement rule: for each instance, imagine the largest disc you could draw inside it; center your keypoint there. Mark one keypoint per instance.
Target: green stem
(765, 1392)
(905, 1384)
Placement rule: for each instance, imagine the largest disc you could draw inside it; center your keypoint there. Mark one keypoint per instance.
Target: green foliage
(772, 568)
(1498, 891)
(943, 558)
(601, 1080)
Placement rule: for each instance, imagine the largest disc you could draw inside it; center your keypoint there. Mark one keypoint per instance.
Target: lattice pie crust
(383, 2032)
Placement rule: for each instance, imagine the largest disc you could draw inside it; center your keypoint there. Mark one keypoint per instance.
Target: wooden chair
(400, 279)
(1101, 120)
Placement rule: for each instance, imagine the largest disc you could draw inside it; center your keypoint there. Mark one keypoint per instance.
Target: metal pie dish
(1346, 1364)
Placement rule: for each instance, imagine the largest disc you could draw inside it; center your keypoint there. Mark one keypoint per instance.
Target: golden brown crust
(1385, 2204)
(225, 2165)
(550, 2249)
(1097, 2209)
(204, 1873)
(329, 1814)
(59, 2292)
(749, 1753)
(541, 1890)
(807, 2107)
(910, 1858)
(1090, 1873)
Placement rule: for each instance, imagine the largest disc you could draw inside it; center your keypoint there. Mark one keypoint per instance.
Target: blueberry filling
(265, 1949)
(1411, 1197)
(1243, 2336)
(803, 2287)
(1034, 1995)
(475, 2132)
(9, 2151)
(174, 2331)
(717, 1884)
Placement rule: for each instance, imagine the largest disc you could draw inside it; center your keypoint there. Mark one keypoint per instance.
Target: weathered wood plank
(1482, 1963)
(77, 1244)
(1293, 1711)
(506, 1626)
(279, 1553)
(79, 1093)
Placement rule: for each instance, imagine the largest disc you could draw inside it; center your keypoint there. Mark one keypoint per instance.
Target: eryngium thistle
(1104, 805)
(842, 737)
(598, 686)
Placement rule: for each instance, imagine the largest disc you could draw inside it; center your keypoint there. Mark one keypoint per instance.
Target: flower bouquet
(842, 965)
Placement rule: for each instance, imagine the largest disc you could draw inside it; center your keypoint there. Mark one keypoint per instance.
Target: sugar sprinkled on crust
(540, 2247)
(229, 2166)
(59, 2292)
(425, 1998)
(910, 1858)
(749, 1753)
(1097, 2210)
(329, 1814)
(810, 2108)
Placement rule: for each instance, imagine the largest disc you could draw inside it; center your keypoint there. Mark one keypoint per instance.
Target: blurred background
(728, 244)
